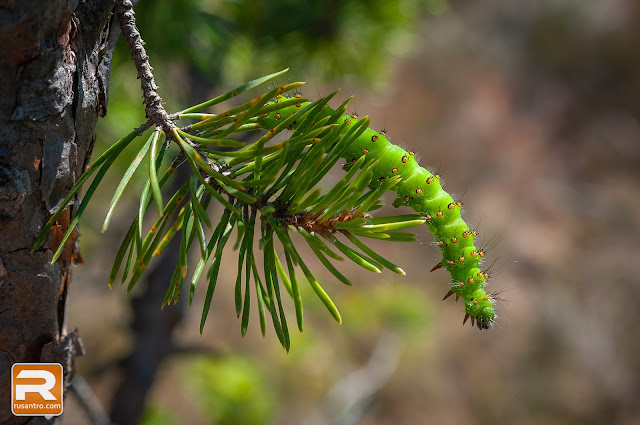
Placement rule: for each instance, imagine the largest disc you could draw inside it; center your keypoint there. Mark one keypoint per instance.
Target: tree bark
(55, 64)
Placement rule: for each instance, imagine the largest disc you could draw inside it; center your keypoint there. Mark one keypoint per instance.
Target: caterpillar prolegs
(422, 191)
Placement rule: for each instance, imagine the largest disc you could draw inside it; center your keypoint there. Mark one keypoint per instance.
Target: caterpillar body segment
(422, 191)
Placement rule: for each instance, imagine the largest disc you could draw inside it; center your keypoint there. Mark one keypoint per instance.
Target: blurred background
(530, 110)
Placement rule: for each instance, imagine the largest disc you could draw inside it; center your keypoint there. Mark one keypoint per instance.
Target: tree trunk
(55, 64)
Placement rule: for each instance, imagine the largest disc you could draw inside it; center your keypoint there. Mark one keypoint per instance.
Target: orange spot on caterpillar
(441, 243)
(265, 115)
(439, 214)
(354, 116)
(365, 151)
(429, 217)
(438, 176)
(405, 159)
(465, 234)
(474, 303)
(451, 206)
(278, 116)
(298, 105)
(394, 170)
(480, 274)
(383, 132)
(474, 253)
(461, 259)
(411, 153)
(374, 138)
(407, 198)
(429, 180)
(459, 204)
(474, 233)
(348, 121)
(353, 161)
(298, 95)
(481, 253)
(470, 280)
(454, 239)
(418, 191)
(460, 283)
(279, 96)
(381, 179)
(451, 262)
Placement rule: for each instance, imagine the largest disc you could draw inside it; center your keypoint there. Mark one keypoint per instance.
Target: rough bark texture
(55, 63)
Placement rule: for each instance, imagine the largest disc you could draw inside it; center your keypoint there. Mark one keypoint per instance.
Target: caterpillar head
(480, 307)
(485, 317)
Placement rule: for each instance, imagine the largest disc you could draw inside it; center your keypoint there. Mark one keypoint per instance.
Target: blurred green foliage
(240, 39)
(322, 354)
(158, 415)
(230, 390)
(403, 309)
(195, 45)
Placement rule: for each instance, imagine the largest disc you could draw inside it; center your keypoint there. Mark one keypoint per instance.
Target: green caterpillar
(422, 191)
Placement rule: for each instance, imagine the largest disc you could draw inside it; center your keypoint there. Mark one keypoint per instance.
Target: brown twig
(152, 100)
(89, 401)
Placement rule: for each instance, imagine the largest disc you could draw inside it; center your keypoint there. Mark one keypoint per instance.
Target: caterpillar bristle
(492, 243)
(447, 295)
(436, 267)
(466, 317)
